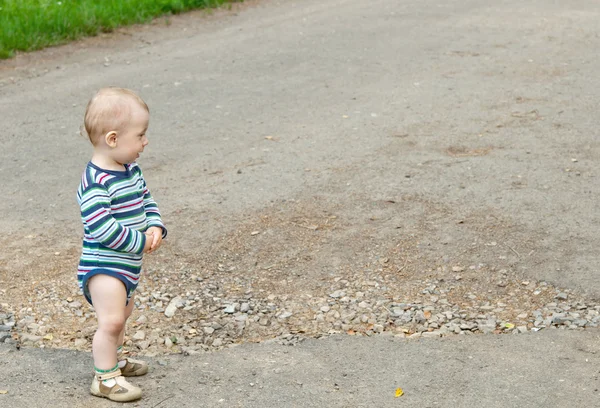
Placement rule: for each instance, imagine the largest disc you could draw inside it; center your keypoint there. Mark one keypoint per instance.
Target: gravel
(205, 318)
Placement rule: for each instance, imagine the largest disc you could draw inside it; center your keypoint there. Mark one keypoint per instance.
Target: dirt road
(297, 145)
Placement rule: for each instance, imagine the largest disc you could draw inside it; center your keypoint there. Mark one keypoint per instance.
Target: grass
(27, 25)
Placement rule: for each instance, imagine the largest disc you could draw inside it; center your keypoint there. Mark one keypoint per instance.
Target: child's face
(131, 140)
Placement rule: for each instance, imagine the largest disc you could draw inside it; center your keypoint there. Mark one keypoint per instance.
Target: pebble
(139, 335)
(80, 342)
(337, 294)
(172, 307)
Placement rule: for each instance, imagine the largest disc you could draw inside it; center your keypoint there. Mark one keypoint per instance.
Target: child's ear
(111, 138)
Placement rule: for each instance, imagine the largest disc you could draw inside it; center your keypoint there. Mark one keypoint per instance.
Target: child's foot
(114, 387)
(132, 368)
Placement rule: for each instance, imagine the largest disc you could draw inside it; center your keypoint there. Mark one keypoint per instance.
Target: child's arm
(152, 211)
(155, 225)
(96, 216)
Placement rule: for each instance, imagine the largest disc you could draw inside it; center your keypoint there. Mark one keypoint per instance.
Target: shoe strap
(107, 376)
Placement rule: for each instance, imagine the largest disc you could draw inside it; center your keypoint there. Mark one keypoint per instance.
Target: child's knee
(113, 325)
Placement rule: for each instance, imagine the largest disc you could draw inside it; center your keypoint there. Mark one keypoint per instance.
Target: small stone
(172, 307)
(143, 345)
(168, 342)
(337, 294)
(397, 311)
(209, 330)
(139, 335)
(419, 317)
(562, 296)
(217, 343)
(487, 327)
(230, 309)
(30, 338)
(245, 307)
(561, 318)
(80, 342)
(75, 305)
(142, 319)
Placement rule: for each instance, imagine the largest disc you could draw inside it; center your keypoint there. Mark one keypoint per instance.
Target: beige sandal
(122, 391)
(133, 368)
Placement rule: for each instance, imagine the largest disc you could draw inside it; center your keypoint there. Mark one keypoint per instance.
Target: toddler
(121, 222)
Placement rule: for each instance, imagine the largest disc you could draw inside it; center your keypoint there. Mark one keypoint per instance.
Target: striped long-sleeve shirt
(116, 209)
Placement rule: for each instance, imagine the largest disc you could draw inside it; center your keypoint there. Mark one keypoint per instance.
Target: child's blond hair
(109, 110)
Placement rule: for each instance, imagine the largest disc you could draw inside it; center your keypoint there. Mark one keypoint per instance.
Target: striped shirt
(116, 209)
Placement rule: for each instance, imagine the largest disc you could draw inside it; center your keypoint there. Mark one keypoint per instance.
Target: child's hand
(148, 245)
(154, 235)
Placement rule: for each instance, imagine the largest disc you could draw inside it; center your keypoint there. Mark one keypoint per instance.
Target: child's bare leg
(128, 311)
(129, 367)
(109, 297)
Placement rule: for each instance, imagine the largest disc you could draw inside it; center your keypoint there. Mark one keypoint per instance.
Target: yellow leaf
(509, 326)
(48, 337)
(399, 392)
(3, 392)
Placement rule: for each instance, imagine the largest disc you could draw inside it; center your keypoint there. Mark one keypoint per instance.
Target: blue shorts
(84, 279)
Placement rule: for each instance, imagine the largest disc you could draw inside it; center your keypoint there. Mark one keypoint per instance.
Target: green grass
(27, 25)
